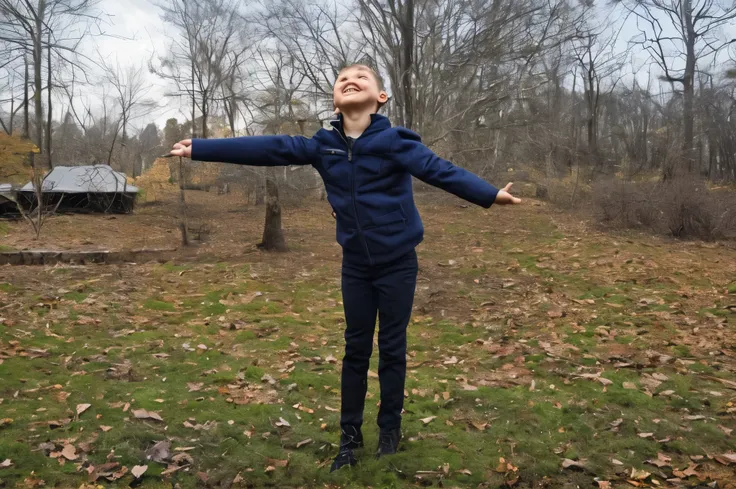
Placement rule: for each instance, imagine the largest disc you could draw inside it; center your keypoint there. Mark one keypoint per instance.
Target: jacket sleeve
(257, 150)
(410, 153)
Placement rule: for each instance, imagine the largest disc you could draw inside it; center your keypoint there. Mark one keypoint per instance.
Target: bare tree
(599, 63)
(131, 94)
(204, 53)
(36, 25)
(675, 29)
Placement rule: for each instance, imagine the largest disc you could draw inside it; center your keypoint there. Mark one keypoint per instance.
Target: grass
(501, 352)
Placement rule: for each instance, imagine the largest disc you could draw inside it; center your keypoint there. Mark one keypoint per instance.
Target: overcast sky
(135, 33)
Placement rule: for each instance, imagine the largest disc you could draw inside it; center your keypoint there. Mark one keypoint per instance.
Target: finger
(508, 186)
(178, 146)
(517, 200)
(186, 142)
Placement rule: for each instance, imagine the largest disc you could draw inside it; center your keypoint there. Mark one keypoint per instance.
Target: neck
(355, 123)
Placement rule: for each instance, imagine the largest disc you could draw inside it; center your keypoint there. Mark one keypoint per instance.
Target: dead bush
(683, 208)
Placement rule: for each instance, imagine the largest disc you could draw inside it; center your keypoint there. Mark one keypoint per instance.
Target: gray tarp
(84, 179)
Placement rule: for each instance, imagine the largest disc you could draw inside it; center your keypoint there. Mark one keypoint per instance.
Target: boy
(367, 167)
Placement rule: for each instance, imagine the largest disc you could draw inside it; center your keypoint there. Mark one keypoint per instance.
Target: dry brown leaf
(639, 475)
(5, 463)
(277, 463)
(304, 443)
(662, 461)
(69, 452)
(603, 484)
(726, 458)
(139, 470)
(428, 420)
(144, 414)
(282, 423)
(105, 428)
(573, 464)
(82, 408)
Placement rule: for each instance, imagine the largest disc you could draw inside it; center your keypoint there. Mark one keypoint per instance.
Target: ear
(383, 97)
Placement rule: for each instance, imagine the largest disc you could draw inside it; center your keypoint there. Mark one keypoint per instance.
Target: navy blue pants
(387, 291)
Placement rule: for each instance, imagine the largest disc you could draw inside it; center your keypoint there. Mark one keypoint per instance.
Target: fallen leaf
(450, 361)
(646, 435)
(282, 422)
(639, 475)
(726, 458)
(630, 385)
(464, 472)
(105, 428)
(603, 484)
(139, 470)
(277, 463)
(662, 461)
(690, 471)
(5, 463)
(82, 408)
(428, 420)
(69, 452)
(556, 313)
(573, 464)
(270, 469)
(194, 386)
(143, 414)
(304, 443)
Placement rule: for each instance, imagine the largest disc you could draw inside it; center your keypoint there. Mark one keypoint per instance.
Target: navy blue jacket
(368, 180)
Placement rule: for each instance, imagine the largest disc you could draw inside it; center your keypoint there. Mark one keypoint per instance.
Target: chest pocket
(336, 166)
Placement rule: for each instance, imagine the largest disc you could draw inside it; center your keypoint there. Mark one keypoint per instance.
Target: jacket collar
(378, 123)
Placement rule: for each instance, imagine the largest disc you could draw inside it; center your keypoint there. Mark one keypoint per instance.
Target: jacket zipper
(349, 144)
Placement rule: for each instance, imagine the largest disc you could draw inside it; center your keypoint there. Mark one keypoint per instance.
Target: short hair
(374, 72)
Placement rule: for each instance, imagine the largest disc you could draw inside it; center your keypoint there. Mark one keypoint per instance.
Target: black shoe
(388, 442)
(350, 439)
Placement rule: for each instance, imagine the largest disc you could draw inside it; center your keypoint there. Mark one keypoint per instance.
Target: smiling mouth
(350, 90)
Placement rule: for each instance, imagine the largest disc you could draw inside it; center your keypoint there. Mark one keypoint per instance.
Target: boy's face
(356, 88)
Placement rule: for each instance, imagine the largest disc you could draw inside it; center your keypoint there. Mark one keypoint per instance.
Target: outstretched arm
(250, 150)
(421, 162)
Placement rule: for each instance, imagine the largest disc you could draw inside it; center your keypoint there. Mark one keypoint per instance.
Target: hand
(182, 148)
(505, 198)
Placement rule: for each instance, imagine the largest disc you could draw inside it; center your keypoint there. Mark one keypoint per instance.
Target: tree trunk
(182, 206)
(260, 187)
(49, 111)
(688, 88)
(37, 65)
(273, 235)
(408, 57)
(194, 103)
(26, 84)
